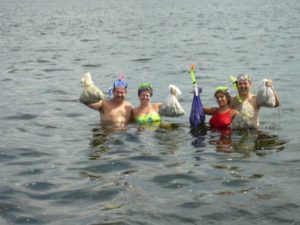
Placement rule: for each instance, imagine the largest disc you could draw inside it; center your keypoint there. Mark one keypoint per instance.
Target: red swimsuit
(220, 120)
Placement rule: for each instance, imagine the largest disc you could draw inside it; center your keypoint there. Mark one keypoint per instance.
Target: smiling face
(119, 93)
(222, 98)
(145, 97)
(243, 87)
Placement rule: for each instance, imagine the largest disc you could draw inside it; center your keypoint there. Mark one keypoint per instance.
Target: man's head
(120, 89)
(243, 84)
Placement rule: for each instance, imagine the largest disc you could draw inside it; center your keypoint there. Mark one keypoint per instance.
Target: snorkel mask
(120, 82)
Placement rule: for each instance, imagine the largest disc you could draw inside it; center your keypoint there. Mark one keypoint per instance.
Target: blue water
(60, 166)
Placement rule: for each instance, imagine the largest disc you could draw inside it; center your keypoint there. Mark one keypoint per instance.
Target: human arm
(277, 101)
(157, 106)
(209, 110)
(233, 113)
(96, 106)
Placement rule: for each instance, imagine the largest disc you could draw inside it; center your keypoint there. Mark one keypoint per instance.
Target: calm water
(59, 166)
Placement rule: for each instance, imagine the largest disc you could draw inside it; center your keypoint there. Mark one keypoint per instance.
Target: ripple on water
(25, 152)
(230, 216)
(191, 205)
(21, 116)
(12, 210)
(40, 186)
(109, 166)
(142, 59)
(31, 172)
(175, 180)
(86, 196)
(148, 158)
(55, 70)
(92, 65)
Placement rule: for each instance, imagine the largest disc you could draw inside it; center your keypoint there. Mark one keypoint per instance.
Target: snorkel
(234, 84)
(192, 69)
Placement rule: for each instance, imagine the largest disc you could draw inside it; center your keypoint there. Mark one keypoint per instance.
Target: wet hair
(145, 87)
(224, 92)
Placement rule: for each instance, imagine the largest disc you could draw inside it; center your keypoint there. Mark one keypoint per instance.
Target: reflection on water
(245, 141)
(163, 135)
(168, 136)
(257, 141)
(200, 136)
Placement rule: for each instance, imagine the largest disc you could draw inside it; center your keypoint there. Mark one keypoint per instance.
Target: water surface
(60, 166)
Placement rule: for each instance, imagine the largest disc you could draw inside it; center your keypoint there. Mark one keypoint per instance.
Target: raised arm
(277, 101)
(96, 106)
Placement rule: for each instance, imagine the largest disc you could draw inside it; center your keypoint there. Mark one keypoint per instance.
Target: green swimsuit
(151, 118)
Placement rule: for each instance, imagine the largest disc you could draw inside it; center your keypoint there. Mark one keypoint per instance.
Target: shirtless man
(115, 111)
(245, 102)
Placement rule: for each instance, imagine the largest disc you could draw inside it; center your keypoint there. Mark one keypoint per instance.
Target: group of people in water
(117, 111)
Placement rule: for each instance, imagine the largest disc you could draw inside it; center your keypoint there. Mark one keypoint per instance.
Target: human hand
(173, 91)
(268, 83)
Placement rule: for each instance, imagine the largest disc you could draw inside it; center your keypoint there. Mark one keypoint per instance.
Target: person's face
(145, 97)
(243, 87)
(119, 93)
(221, 99)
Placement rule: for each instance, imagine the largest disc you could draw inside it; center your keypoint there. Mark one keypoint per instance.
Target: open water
(60, 167)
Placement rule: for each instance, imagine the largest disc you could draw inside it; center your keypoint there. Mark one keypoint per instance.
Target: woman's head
(145, 87)
(222, 93)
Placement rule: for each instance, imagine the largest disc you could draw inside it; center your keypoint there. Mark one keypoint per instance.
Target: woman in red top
(222, 115)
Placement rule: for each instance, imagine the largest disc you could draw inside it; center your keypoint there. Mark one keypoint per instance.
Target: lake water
(60, 166)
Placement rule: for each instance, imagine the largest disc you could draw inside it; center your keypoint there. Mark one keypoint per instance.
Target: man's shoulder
(253, 100)
(128, 104)
(234, 101)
